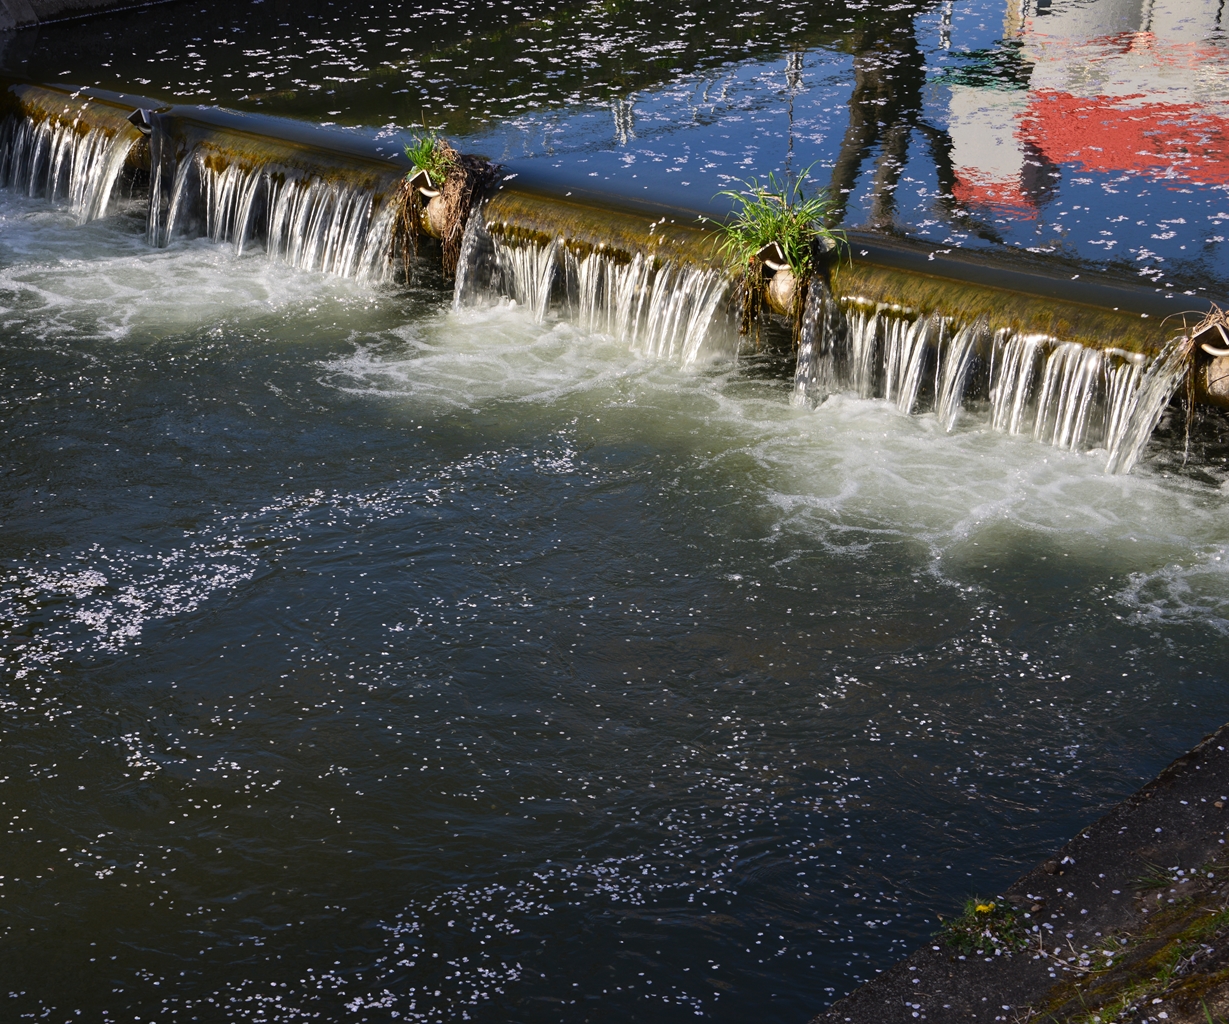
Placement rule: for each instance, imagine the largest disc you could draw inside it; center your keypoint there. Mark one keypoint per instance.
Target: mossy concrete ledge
(1134, 912)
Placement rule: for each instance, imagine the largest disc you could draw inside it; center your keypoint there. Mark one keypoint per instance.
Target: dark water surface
(366, 660)
(1093, 129)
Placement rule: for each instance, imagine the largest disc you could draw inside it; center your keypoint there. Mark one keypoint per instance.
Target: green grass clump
(985, 925)
(772, 211)
(429, 153)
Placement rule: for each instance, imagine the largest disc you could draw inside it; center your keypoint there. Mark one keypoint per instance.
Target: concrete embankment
(1127, 922)
(21, 14)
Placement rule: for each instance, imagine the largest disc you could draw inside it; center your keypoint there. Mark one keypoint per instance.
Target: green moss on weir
(1091, 326)
(1178, 959)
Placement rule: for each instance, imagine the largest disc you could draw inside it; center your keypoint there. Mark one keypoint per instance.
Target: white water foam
(310, 222)
(1064, 394)
(663, 312)
(59, 281)
(62, 157)
(853, 475)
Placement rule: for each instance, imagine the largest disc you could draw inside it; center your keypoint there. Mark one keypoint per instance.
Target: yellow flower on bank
(984, 908)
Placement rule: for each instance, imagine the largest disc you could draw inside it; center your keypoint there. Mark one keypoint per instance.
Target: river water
(367, 659)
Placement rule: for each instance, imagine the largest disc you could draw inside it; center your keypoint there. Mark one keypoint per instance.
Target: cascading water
(1012, 369)
(907, 346)
(861, 361)
(527, 273)
(475, 264)
(1156, 387)
(666, 311)
(815, 376)
(335, 223)
(74, 153)
(663, 311)
(1065, 394)
(321, 202)
(1124, 371)
(1070, 383)
(955, 362)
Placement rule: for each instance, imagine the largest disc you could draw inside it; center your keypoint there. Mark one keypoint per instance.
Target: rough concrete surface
(17, 14)
(1135, 917)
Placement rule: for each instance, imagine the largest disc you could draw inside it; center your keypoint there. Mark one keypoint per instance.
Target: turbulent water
(57, 157)
(376, 653)
(1065, 394)
(367, 658)
(309, 220)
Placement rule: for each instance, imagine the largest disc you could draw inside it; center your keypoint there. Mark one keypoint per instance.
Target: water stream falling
(956, 360)
(527, 275)
(74, 155)
(815, 375)
(1143, 404)
(666, 312)
(1013, 364)
(907, 346)
(865, 328)
(1064, 394)
(333, 223)
(1070, 383)
(316, 214)
(661, 310)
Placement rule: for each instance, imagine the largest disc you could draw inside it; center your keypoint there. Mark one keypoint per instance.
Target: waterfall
(661, 310)
(475, 263)
(527, 274)
(863, 348)
(670, 321)
(331, 222)
(822, 328)
(1122, 379)
(906, 346)
(1013, 366)
(1070, 383)
(1156, 387)
(325, 202)
(75, 154)
(955, 365)
(664, 311)
(1068, 395)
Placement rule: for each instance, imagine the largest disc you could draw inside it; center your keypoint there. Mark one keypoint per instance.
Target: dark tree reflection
(885, 115)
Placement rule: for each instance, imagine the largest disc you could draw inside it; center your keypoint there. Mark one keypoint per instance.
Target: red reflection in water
(1121, 133)
(1160, 110)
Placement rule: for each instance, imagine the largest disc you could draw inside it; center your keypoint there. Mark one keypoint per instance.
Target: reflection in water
(885, 108)
(970, 124)
(365, 656)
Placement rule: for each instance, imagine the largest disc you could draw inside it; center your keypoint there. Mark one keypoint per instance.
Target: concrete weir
(1077, 359)
(1128, 921)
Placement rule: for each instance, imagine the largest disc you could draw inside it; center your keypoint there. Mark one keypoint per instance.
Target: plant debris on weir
(440, 206)
(773, 243)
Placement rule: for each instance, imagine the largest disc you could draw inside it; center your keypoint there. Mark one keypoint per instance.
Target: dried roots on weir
(774, 243)
(747, 298)
(1210, 334)
(436, 197)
